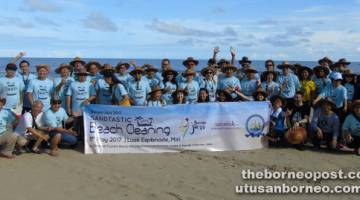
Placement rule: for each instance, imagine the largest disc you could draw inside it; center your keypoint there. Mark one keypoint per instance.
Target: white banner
(207, 127)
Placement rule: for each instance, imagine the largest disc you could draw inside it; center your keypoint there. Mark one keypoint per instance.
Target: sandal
(36, 150)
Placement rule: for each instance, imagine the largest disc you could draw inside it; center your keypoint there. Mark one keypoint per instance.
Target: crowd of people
(38, 113)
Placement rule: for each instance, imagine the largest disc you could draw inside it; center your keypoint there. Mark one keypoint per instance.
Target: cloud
(16, 21)
(100, 22)
(292, 36)
(180, 30)
(267, 22)
(218, 10)
(39, 5)
(191, 42)
(47, 22)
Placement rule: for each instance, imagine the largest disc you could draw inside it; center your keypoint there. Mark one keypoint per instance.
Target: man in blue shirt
(138, 88)
(288, 82)
(13, 88)
(351, 128)
(25, 76)
(55, 119)
(62, 83)
(230, 83)
(7, 137)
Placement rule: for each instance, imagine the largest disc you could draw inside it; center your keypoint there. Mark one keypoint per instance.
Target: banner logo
(254, 126)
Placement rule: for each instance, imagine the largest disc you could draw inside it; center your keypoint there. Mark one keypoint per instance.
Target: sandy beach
(188, 175)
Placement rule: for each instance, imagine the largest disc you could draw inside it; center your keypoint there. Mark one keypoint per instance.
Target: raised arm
(18, 56)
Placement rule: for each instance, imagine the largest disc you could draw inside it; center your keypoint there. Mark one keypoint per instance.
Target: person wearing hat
(119, 93)
(341, 65)
(209, 82)
(277, 120)
(138, 87)
(190, 63)
(307, 85)
(259, 95)
(122, 75)
(349, 84)
(250, 85)
(230, 83)
(25, 75)
(170, 84)
(190, 85)
(325, 62)
(351, 128)
(288, 82)
(269, 85)
(245, 64)
(337, 93)
(93, 68)
(269, 66)
(62, 83)
(103, 87)
(56, 119)
(41, 88)
(320, 79)
(31, 127)
(79, 94)
(151, 72)
(13, 88)
(155, 97)
(325, 124)
(77, 63)
(179, 96)
(7, 137)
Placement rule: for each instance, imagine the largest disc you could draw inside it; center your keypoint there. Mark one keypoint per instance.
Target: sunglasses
(56, 102)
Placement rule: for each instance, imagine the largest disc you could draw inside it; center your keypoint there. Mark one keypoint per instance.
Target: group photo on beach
(179, 100)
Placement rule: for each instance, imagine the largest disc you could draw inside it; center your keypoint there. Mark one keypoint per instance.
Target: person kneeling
(351, 128)
(54, 119)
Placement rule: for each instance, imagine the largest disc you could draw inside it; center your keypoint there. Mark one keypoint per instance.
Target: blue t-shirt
(118, 91)
(272, 87)
(210, 86)
(193, 90)
(41, 90)
(55, 119)
(154, 82)
(12, 88)
(62, 92)
(6, 120)
(103, 92)
(138, 91)
(338, 95)
(232, 82)
(352, 125)
(124, 79)
(26, 80)
(167, 95)
(350, 89)
(292, 85)
(79, 92)
(91, 78)
(249, 87)
(320, 84)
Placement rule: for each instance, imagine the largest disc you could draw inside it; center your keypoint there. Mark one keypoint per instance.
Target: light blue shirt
(320, 83)
(193, 90)
(338, 95)
(124, 79)
(26, 80)
(103, 92)
(92, 78)
(350, 89)
(79, 92)
(41, 90)
(181, 79)
(154, 82)
(138, 91)
(272, 87)
(232, 82)
(6, 120)
(249, 86)
(118, 91)
(292, 85)
(352, 125)
(167, 95)
(210, 86)
(61, 94)
(55, 119)
(12, 88)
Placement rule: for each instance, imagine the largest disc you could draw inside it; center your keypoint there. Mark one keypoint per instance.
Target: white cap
(336, 76)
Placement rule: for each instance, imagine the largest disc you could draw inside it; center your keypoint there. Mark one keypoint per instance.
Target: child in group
(259, 95)
(277, 120)
(155, 99)
(179, 96)
(203, 96)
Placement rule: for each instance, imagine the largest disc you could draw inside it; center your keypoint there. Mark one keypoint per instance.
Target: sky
(260, 29)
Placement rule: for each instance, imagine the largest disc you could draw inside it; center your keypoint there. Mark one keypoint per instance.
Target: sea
(175, 63)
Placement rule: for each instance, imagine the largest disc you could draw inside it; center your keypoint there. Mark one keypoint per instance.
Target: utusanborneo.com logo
(254, 126)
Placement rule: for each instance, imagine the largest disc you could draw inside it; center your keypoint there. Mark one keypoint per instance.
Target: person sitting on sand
(138, 87)
(31, 127)
(7, 137)
(41, 88)
(325, 124)
(155, 98)
(351, 128)
(191, 86)
(55, 119)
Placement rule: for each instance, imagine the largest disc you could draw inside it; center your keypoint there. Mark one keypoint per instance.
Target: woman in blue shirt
(269, 85)
(122, 74)
(250, 84)
(191, 86)
(170, 84)
(209, 82)
(62, 83)
(138, 87)
(351, 128)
